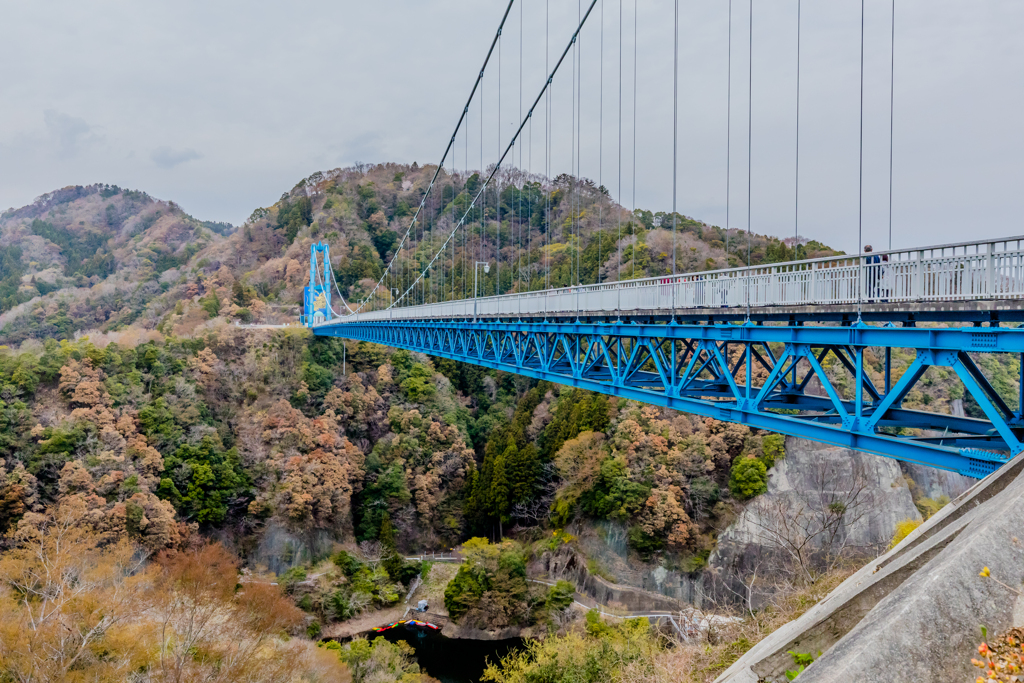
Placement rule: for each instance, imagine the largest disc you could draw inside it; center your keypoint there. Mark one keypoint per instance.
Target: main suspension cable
(750, 137)
(388, 270)
(892, 94)
(519, 130)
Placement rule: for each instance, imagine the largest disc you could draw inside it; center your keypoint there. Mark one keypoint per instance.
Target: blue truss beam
(687, 367)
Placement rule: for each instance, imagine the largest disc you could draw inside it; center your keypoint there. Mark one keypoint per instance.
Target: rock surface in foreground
(799, 509)
(914, 614)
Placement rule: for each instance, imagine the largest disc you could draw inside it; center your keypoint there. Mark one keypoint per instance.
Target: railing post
(990, 270)
(815, 267)
(918, 292)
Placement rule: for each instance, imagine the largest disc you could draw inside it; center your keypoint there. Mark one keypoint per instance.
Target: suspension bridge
(788, 347)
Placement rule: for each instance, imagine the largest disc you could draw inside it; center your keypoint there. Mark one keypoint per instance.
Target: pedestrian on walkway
(874, 268)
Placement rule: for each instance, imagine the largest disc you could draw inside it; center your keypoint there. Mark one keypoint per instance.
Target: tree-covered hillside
(129, 395)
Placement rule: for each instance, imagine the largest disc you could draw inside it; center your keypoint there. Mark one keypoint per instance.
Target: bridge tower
(317, 295)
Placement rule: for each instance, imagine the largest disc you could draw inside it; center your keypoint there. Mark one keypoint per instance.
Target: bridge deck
(665, 340)
(973, 312)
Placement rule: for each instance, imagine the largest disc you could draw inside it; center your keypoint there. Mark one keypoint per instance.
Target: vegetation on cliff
(77, 605)
(128, 395)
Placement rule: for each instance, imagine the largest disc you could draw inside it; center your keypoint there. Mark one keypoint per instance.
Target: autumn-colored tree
(201, 611)
(18, 493)
(67, 602)
(77, 607)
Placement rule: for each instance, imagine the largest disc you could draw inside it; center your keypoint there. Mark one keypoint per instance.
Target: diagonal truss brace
(687, 367)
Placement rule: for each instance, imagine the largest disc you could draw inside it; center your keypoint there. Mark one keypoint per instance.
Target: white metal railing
(992, 269)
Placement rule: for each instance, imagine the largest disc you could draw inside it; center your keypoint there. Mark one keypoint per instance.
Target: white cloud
(267, 101)
(68, 133)
(165, 157)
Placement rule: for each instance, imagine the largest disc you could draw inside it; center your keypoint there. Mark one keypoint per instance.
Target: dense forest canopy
(134, 410)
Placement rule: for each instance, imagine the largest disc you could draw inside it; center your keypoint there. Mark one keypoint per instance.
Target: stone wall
(566, 564)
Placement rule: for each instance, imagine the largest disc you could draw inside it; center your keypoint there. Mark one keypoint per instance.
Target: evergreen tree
(387, 532)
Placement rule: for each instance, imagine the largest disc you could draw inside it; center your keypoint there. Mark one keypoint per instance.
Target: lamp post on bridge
(394, 300)
(487, 269)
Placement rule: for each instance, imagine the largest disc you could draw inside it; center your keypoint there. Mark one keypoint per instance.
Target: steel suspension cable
(796, 184)
(519, 272)
(600, 155)
(675, 144)
(750, 138)
(522, 125)
(572, 162)
(529, 225)
(451, 143)
(483, 217)
(579, 166)
(498, 199)
(618, 241)
(632, 217)
(728, 139)
(892, 94)
(860, 187)
(547, 153)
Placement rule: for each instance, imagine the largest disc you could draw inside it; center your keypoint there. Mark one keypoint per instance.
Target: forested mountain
(122, 373)
(129, 396)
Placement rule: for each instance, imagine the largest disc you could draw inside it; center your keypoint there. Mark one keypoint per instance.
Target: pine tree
(387, 532)
(500, 502)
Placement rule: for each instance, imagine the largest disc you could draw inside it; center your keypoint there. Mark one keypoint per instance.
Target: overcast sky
(222, 105)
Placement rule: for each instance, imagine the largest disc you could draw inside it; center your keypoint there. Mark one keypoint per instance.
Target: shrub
(774, 447)
(292, 577)
(313, 630)
(211, 304)
(643, 542)
(399, 570)
(749, 477)
(464, 591)
(347, 563)
(559, 596)
(903, 529)
(929, 506)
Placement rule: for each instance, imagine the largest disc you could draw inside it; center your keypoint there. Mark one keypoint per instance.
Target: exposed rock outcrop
(821, 501)
(913, 614)
(568, 565)
(932, 483)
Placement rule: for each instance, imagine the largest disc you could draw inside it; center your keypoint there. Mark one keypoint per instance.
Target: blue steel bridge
(763, 367)
(779, 347)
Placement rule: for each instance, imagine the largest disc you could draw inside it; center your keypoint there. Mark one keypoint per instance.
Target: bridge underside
(771, 377)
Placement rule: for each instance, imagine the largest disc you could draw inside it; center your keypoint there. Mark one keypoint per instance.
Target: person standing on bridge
(874, 272)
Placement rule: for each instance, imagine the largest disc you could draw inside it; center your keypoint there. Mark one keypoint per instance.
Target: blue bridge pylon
(768, 377)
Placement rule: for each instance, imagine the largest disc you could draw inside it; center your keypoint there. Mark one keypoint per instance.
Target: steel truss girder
(688, 368)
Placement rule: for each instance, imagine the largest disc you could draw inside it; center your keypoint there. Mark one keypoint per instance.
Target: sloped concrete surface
(914, 614)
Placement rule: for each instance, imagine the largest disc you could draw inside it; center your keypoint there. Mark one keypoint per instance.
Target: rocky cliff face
(822, 502)
(824, 505)
(914, 613)
(931, 483)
